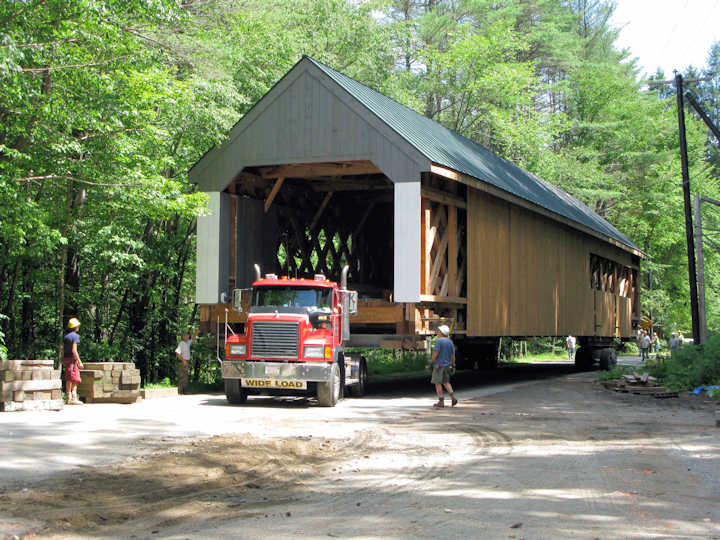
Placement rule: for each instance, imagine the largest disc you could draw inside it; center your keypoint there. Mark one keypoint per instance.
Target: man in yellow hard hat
(71, 362)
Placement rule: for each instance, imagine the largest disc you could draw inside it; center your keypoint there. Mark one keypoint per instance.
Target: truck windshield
(307, 297)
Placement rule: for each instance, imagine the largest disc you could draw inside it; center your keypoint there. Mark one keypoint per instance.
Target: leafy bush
(690, 366)
(615, 373)
(3, 348)
(384, 361)
(165, 383)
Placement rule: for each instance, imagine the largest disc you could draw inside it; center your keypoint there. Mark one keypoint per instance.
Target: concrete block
(19, 395)
(43, 396)
(26, 375)
(128, 365)
(40, 374)
(108, 387)
(154, 393)
(55, 394)
(126, 377)
(19, 364)
(116, 376)
(7, 376)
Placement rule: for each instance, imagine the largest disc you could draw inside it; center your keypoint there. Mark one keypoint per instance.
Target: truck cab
(293, 341)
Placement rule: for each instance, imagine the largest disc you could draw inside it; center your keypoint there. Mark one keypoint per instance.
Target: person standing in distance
(442, 362)
(71, 362)
(183, 354)
(570, 341)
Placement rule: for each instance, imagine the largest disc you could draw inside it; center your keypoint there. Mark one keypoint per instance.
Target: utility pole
(694, 310)
(702, 318)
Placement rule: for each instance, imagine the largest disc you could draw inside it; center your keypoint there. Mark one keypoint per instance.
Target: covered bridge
(324, 171)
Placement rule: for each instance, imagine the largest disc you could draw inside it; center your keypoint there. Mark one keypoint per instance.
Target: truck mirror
(237, 300)
(352, 302)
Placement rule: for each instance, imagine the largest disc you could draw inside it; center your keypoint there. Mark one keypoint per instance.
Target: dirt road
(556, 458)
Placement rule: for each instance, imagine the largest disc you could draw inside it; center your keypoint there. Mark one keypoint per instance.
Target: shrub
(690, 366)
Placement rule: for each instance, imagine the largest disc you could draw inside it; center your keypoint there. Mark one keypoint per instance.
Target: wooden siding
(529, 276)
(308, 118)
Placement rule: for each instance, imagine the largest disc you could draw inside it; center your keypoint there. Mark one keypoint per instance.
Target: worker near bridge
(71, 362)
(183, 355)
(442, 362)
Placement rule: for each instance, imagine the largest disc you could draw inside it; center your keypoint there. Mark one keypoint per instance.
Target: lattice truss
(320, 235)
(443, 256)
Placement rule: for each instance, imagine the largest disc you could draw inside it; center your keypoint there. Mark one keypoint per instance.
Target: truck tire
(328, 393)
(608, 358)
(583, 358)
(358, 390)
(235, 394)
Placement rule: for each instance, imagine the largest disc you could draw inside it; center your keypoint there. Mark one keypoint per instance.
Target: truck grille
(274, 339)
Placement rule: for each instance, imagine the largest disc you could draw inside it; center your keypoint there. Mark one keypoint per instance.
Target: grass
(386, 361)
(539, 357)
(165, 383)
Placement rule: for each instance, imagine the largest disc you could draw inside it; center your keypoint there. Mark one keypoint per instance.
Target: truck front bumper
(299, 371)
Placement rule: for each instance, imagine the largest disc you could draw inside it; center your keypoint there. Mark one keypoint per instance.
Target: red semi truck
(293, 341)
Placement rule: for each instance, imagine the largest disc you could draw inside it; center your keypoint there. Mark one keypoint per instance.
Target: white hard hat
(444, 330)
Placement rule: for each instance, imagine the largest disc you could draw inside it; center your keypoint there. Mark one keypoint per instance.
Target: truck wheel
(328, 393)
(608, 358)
(358, 390)
(236, 394)
(583, 359)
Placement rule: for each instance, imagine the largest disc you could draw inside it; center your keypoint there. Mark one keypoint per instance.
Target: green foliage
(164, 383)
(690, 366)
(105, 105)
(386, 361)
(615, 373)
(3, 348)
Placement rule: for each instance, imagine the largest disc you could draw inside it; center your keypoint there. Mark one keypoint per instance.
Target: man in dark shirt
(443, 365)
(71, 362)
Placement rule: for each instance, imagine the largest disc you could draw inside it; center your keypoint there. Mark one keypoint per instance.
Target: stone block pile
(30, 385)
(109, 382)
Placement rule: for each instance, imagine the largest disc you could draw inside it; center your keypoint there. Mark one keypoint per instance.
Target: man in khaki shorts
(443, 365)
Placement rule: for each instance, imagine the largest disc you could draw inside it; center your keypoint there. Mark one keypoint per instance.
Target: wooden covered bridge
(324, 171)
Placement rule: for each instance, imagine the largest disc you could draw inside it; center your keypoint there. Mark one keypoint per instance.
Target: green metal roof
(449, 149)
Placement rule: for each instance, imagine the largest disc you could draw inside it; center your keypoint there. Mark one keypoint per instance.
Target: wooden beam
(363, 219)
(233, 240)
(425, 246)
(434, 299)
(514, 199)
(319, 185)
(310, 170)
(273, 192)
(320, 210)
(452, 250)
(442, 197)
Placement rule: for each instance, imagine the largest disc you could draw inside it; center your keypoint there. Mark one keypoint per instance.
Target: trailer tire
(235, 394)
(608, 358)
(358, 390)
(583, 358)
(328, 393)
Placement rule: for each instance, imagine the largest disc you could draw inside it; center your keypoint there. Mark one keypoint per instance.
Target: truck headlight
(238, 350)
(314, 351)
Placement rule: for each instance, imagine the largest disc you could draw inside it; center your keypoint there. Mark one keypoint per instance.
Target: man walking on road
(443, 365)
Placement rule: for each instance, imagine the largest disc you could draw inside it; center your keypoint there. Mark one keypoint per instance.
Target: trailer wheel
(235, 394)
(358, 390)
(583, 358)
(608, 358)
(328, 393)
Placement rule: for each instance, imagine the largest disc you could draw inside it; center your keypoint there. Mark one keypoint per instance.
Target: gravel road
(534, 453)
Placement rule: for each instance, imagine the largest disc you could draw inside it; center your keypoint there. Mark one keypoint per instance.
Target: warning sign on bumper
(274, 383)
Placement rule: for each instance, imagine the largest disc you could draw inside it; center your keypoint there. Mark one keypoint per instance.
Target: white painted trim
(407, 242)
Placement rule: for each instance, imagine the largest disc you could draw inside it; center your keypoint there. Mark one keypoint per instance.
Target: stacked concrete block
(30, 385)
(109, 382)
